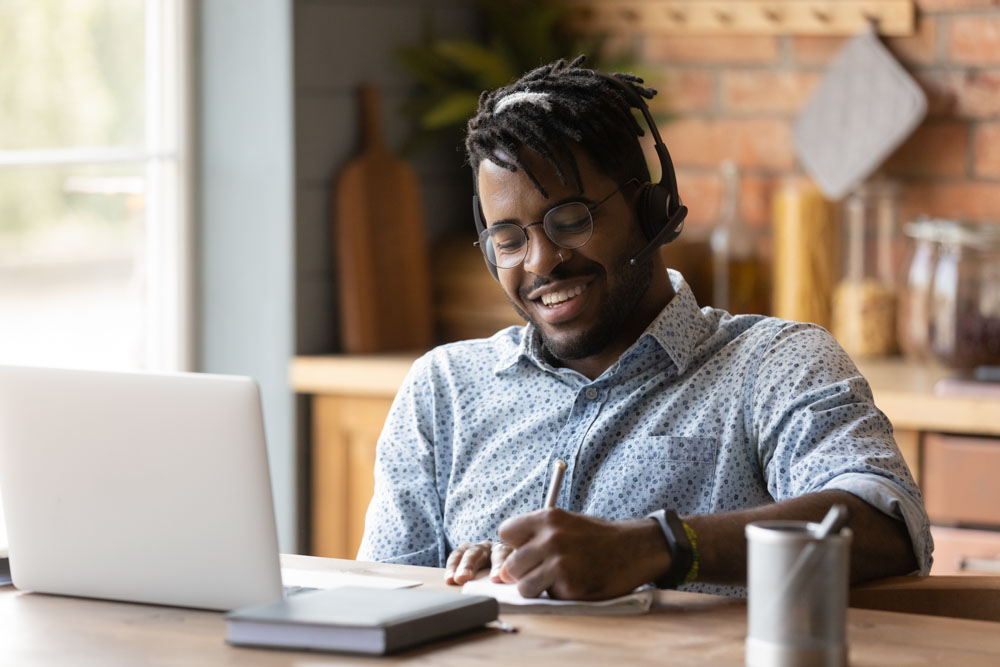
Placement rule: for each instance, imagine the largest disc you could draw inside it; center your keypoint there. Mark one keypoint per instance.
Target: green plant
(451, 73)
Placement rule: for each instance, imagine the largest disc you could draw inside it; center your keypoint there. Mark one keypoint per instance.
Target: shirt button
(591, 393)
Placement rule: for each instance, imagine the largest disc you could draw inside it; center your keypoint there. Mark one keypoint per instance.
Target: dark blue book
(359, 620)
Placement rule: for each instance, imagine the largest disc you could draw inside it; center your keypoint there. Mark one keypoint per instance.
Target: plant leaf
(429, 68)
(520, 35)
(452, 109)
(489, 69)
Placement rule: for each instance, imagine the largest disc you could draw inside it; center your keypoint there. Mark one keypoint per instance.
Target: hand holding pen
(567, 554)
(574, 556)
(467, 558)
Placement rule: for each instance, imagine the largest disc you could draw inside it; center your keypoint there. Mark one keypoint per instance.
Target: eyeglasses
(570, 225)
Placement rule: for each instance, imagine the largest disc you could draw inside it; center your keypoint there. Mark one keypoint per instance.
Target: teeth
(554, 298)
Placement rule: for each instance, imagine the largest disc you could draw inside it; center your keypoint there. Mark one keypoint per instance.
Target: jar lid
(954, 232)
(875, 189)
(923, 229)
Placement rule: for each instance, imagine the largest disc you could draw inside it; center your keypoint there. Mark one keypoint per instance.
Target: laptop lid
(137, 486)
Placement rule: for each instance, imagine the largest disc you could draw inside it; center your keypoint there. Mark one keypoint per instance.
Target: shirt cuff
(429, 557)
(895, 501)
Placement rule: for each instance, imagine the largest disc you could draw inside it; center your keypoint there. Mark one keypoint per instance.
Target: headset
(659, 209)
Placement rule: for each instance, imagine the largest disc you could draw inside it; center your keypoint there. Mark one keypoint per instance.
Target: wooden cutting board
(380, 247)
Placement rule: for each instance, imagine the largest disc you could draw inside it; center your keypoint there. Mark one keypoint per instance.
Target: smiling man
(678, 425)
(585, 300)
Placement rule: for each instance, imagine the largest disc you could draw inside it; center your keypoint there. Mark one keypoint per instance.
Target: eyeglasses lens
(568, 226)
(505, 245)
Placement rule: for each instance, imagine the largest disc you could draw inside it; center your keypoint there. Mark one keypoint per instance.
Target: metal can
(797, 588)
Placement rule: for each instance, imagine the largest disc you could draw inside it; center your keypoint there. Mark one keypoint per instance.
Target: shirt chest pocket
(689, 449)
(655, 472)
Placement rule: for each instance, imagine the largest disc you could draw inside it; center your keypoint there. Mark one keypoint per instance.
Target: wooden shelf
(760, 17)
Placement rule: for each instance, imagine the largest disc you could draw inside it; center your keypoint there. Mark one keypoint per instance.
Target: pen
(558, 470)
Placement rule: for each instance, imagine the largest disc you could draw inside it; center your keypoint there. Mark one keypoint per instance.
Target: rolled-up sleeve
(817, 428)
(403, 523)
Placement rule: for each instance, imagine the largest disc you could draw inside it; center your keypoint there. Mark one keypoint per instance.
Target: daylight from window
(77, 150)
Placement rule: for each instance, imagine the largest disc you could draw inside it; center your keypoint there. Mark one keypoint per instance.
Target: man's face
(584, 303)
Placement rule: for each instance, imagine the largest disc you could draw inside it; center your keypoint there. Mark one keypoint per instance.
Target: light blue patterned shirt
(706, 412)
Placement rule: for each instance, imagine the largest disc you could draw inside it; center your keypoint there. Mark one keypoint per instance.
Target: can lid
(785, 532)
(781, 531)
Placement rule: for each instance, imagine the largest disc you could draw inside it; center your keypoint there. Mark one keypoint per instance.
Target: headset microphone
(669, 232)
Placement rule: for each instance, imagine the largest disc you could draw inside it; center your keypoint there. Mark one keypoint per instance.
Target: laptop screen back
(140, 487)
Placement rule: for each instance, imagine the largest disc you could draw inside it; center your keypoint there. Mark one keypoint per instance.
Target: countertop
(903, 390)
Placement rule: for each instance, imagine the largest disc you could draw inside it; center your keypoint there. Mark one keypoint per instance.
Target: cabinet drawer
(964, 551)
(961, 479)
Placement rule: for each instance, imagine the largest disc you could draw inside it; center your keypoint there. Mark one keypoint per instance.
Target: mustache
(559, 273)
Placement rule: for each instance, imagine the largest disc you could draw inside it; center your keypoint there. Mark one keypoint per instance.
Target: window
(94, 183)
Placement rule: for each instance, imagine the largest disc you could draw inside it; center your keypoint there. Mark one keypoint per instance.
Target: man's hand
(578, 557)
(467, 559)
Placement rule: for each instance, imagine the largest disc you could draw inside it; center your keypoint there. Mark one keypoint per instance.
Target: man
(652, 403)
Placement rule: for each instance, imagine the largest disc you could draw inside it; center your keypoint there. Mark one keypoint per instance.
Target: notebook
(359, 620)
(4, 568)
(4, 563)
(638, 601)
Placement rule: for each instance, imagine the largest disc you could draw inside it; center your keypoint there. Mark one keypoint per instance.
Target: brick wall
(736, 97)
(728, 97)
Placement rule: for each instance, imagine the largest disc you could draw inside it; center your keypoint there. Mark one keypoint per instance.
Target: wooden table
(683, 629)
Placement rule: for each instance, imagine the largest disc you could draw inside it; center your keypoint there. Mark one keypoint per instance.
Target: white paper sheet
(637, 602)
(3, 533)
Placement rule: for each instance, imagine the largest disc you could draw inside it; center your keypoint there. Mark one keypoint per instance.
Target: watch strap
(680, 547)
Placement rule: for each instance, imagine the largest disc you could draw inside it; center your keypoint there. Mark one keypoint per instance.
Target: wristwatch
(682, 554)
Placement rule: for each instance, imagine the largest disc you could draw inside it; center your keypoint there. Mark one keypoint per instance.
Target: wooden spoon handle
(370, 109)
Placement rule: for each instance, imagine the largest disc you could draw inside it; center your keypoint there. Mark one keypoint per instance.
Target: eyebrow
(580, 199)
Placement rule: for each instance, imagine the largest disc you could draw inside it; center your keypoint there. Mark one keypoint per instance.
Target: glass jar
(864, 301)
(913, 313)
(805, 270)
(964, 301)
(739, 274)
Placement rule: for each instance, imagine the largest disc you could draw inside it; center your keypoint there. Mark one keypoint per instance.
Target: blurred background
(171, 194)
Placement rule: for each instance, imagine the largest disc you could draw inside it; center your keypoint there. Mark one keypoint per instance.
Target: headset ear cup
(653, 215)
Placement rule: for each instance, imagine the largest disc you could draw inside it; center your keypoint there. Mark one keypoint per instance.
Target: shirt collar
(678, 329)
(529, 349)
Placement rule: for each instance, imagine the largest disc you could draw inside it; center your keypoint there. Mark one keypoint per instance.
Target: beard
(616, 305)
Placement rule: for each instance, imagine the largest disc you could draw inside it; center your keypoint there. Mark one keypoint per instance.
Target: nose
(543, 255)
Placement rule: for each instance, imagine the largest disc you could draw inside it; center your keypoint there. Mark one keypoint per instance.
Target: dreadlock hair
(550, 108)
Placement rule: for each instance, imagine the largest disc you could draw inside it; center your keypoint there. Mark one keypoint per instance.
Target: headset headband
(667, 177)
(662, 195)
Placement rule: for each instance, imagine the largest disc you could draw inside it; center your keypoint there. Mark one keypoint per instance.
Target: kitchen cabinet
(960, 479)
(966, 551)
(351, 396)
(952, 445)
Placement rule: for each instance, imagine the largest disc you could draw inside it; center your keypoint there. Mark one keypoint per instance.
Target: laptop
(137, 486)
